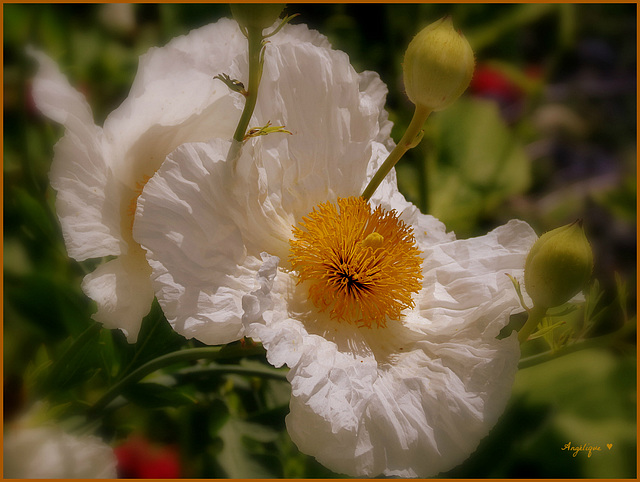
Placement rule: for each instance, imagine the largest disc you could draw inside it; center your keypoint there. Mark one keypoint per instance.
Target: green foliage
(481, 162)
(583, 398)
(582, 414)
(473, 174)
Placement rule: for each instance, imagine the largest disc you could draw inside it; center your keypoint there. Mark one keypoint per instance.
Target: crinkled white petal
(80, 172)
(175, 99)
(47, 452)
(201, 265)
(122, 290)
(412, 399)
(466, 280)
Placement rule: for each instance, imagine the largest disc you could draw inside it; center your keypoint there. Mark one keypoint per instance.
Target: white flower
(407, 386)
(205, 266)
(99, 172)
(48, 452)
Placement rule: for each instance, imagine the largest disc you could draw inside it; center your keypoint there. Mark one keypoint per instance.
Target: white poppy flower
(405, 382)
(317, 93)
(98, 172)
(48, 452)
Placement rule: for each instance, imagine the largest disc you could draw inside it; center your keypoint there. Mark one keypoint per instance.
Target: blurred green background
(546, 133)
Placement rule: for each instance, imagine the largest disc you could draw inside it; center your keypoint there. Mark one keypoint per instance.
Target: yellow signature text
(581, 448)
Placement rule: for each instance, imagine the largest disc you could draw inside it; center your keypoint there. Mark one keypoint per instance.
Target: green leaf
(218, 416)
(479, 163)
(77, 362)
(37, 369)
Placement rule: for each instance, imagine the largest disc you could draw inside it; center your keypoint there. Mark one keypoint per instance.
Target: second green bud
(558, 266)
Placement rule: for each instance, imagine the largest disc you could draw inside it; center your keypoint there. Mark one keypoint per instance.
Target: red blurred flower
(490, 82)
(138, 459)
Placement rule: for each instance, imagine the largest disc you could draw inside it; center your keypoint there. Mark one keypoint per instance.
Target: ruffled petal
(186, 221)
(99, 173)
(89, 215)
(412, 399)
(175, 99)
(466, 286)
(122, 290)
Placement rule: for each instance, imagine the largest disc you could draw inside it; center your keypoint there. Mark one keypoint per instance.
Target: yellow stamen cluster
(362, 263)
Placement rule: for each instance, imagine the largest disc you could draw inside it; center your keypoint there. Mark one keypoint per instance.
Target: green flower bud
(256, 15)
(438, 65)
(558, 266)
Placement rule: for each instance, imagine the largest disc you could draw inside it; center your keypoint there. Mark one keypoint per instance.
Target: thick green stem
(254, 36)
(407, 142)
(536, 314)
(211, 353)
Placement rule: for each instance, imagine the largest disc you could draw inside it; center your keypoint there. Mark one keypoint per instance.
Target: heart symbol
(609, 446)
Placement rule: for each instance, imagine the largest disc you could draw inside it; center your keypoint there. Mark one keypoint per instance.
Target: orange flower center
(361, 263)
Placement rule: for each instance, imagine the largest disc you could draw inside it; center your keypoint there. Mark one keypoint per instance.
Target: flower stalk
(410, 139)
(253, 19)
(254, 37)
(437, 68)
(536, 315)
(614, 339)
(255, 40)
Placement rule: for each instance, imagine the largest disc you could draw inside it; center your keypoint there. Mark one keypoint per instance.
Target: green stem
(597, 342)
(254, 36)
(536, 314)
(266, 372)
(211, 353)
(407, 142)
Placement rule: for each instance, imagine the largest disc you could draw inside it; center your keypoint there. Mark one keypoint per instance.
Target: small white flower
(98, 172)
(395, 365)
(48, 452)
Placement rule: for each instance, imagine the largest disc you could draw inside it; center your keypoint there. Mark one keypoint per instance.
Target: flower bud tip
(438, 65)
(256, 15)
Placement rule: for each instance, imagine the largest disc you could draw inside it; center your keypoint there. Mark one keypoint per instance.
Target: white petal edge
(122, 290)
(466, 282)
(79, 173)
